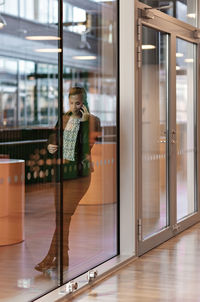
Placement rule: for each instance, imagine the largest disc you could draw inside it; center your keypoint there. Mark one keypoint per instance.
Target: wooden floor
(171, 272)
(92, 240)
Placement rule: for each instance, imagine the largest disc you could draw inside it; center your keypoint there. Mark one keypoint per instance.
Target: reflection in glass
(29, 173)
(184, 10)
(28, 111)
(92, 231)
(185, 130)
(154, 129)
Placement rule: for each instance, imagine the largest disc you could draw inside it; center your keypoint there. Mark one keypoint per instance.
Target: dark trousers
(73, 191)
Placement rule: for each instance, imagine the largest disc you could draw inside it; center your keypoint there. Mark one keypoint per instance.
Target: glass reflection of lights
(48, 50)
(84, 57)
(178, 68)
(190, 60)
(146, 46)
(192, 15)
(2, 22)
(179, 55)
(42, 38)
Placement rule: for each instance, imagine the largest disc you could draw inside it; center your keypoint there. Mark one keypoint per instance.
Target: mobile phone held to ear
(81, 111)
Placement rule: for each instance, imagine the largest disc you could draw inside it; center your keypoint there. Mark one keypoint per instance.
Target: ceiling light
(48, 50)
(42, 38)
(178, 67)
(146, 46)
(179, 55)
(192, 15)
(104, 0)
(84, 57)
(189, 60)
(2, 22)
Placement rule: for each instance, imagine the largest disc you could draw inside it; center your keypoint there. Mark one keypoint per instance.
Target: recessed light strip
(179, 55)
(148, 46)
(189, 60)
(191, 15)
(84, 57)
(48, 50)
(42, 38)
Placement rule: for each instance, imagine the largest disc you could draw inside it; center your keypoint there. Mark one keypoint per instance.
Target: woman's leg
(73, 191)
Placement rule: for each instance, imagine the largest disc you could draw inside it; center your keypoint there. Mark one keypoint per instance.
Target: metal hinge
(139, 48)
(139, 56)
(140, 229)
(139, 29)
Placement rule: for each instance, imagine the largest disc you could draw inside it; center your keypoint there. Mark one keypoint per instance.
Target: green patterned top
(70, 137)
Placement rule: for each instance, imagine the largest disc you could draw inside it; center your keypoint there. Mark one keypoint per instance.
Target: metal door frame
(175, 29)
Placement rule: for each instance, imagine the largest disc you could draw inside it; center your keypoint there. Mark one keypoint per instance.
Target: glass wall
(58, 172)
(89, 185)
(184, 10)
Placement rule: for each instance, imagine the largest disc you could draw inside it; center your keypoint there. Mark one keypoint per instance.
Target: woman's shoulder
(94, 121)
(94, 118)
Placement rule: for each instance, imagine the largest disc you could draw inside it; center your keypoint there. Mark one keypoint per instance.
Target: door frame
(176, 29)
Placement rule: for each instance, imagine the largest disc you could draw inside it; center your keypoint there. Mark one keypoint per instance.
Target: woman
(80, 130)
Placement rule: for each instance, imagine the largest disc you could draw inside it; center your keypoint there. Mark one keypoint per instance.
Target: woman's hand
(85, 114)
(52, 148)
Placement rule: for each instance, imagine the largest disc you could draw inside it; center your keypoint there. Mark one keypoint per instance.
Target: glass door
(154, 160)
(154, 129)
(167, 128)
(185, 128)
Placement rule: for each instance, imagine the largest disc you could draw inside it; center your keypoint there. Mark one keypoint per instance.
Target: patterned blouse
(70, 137)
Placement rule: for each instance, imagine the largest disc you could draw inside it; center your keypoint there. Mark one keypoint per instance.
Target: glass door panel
(185, 127)
(167, 100)
(154, 131)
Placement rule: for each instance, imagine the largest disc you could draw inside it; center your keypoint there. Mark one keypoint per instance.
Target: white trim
(127, 92)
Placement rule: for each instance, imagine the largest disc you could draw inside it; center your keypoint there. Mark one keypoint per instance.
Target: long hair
(80, 90)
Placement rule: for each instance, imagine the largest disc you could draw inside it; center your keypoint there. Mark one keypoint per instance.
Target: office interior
(138, 63)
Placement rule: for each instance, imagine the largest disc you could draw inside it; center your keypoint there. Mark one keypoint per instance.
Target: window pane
(185, 127)
(155, 202)
(28, 173)
(29, 122)
(89, 186)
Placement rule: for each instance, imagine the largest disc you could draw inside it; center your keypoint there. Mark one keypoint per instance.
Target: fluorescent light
(179, 55)
(84, 57)
(42, 38)
(189, 60)
(146, 46)
(191, 15)
(48, 50)
(104, 0)
(178, 67)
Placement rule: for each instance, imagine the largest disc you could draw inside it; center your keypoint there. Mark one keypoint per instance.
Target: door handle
(173, 137)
